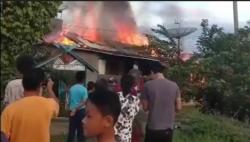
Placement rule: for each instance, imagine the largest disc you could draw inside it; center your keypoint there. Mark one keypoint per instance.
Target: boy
(102, 111)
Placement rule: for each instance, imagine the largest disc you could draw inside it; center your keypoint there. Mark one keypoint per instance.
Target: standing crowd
(105, 110)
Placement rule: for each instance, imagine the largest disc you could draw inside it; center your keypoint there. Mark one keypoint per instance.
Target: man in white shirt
(14, 89)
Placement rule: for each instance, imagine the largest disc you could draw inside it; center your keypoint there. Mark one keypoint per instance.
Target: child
(102, 111)
(129, 109)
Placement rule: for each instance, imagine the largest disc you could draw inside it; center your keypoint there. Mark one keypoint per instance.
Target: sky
(189, 13)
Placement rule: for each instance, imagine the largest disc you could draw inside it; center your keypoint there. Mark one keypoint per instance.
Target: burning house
(105, 36)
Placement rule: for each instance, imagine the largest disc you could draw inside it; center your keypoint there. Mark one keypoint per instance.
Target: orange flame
(64, 40)
(67, 41)
(153, 53)
(131, 38)
(91, 22)
(127, 34)
(86, 26)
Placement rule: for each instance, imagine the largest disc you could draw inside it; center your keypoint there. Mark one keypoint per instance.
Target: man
(28, 119)
(14, 89)
(162, 98)
(102, 111)
(78, 95)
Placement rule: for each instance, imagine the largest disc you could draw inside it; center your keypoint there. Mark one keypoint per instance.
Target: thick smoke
(115, 14)
(104, 17)
(167, 13)
(110, 14)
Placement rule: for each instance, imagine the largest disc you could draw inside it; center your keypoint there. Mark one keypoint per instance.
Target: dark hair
(155, 67)
(127, 82)
(90, 85)
(102, 84)
(24, 63)
(107, 102)
(80, 76)
(33, 79)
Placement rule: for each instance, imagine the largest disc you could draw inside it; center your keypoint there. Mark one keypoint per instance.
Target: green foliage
(165, 45)
(198, 127)
(226, 63)
(23, 24)
(218, 74)
(178, 70)
(194, 127)
(189, 78)
(163, 32)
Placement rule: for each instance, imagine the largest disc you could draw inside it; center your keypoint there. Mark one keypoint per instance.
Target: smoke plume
(102, 21)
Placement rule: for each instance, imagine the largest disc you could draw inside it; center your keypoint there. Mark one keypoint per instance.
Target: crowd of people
(105, 109)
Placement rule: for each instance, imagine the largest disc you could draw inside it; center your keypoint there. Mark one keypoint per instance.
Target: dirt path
(59, 126)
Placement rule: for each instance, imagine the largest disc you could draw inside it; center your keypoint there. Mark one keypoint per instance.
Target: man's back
(161, 95)
(78, 93)
(28, 119)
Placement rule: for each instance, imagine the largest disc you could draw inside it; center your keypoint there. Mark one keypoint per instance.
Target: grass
(198, 127)
(59, 138)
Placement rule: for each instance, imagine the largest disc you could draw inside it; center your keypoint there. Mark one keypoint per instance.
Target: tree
(164, 44)
(226, 65)
(22, 25)
(186, 74)
(162, 30)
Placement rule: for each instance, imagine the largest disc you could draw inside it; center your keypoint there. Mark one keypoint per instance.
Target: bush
(196, 127)
(23, 24)
(226, 66)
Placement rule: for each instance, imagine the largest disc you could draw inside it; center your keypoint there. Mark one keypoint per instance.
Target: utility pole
(178, 22)
(236, 21)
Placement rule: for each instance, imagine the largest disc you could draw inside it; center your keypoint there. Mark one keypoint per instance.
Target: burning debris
(100, 22)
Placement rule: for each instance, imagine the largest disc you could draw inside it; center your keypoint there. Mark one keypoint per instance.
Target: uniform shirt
(77, 94)
(13, 91)
(28, 119)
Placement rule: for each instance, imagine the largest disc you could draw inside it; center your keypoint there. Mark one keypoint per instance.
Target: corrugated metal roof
(110, 48)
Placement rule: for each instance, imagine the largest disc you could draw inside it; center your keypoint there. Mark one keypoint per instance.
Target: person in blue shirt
(78, 95)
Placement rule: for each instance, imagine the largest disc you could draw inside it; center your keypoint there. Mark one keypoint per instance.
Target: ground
(193, 127)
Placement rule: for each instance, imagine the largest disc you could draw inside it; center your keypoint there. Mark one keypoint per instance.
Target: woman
(129, 109)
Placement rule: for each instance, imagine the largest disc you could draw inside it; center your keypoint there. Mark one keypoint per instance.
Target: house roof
(69, 52)
(111, 48)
